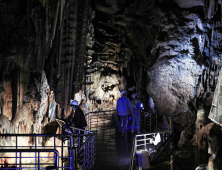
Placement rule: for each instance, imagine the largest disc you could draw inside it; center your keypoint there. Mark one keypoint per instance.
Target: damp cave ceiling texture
(169, 49)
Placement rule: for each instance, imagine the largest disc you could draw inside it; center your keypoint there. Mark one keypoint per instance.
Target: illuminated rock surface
(51, 53)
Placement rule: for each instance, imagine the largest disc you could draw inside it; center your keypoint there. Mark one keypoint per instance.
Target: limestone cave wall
(168, 50)
(52, 51)
(40, 40)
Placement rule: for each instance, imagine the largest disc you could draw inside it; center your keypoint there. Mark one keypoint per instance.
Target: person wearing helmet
(136, 106)
(79, 121)
(79, 118)
(123, 110)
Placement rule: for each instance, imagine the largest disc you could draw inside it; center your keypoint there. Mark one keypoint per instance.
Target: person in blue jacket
(123, 110)
(136, 106)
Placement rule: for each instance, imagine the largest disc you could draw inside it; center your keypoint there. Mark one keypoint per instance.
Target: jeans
(136, 119)
(124, 120)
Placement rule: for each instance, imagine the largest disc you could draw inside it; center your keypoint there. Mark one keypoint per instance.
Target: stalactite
(73, 21)
(210, 8)
(83, 14)
(61, 13)
(55, 22)
(60, 51)
(46, 49)
(47, 21)
(84, 31)
(29, 29)
(61, 20)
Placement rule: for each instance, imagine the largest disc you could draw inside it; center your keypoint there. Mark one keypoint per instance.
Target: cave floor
(112, 150)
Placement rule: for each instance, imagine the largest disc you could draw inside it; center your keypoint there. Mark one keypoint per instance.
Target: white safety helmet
(134, 95)
(123, 92)
(74, 103)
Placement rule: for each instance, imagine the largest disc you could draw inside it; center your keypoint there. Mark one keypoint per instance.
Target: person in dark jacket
(79, 118)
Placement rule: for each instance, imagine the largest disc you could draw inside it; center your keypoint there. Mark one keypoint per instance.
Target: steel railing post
(35, 152)
(90, 123)
(54, 148)
(57, 160)
(70, 153)
(84, 154)
(163, 122)
(62, 152)
(16, 142)
(38, 162)
(150, 122)
(104, 116)
(20, 161)
(164, 135)
(76, 158)
(97, 120)
(156, 120)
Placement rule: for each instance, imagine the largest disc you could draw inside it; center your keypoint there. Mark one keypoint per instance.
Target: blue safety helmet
(74, 103)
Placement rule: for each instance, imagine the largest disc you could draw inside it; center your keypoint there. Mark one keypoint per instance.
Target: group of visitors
(125, 107)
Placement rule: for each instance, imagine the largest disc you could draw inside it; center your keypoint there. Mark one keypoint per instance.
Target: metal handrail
(85, 151)
(56, 153)
(99, 120)
(165, 145)
(150, 121)
(133, 154)
(36, 146)
(100, 111)
(86, 147)
(145, 138)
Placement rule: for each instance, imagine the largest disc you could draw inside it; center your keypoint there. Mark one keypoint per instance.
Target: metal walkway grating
(113, 151)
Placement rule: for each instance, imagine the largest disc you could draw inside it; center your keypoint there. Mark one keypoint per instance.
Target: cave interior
(169, 52)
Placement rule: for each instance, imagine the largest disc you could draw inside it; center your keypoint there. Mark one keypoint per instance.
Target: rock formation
(52, 52)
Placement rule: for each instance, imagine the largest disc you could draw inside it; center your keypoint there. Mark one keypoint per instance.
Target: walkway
(113, 152)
